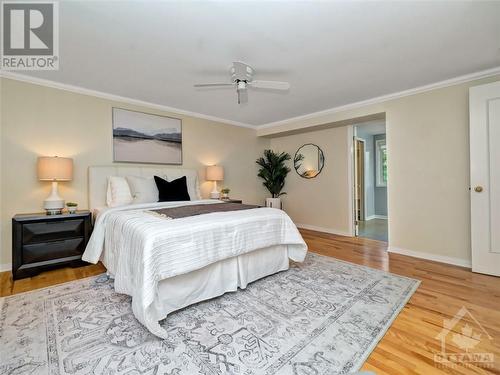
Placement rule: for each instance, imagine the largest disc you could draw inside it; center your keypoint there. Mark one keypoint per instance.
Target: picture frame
(140, 137)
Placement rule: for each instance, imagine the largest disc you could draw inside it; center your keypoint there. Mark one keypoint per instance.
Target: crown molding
(377, 100)
(118, 98)
(384, 98)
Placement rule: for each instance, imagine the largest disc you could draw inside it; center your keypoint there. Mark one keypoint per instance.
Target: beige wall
(37, 120)
(427, 138)
(319, 203)
(428, 196)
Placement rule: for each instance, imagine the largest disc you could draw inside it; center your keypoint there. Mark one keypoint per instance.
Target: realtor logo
(459, 338)
(30, 35)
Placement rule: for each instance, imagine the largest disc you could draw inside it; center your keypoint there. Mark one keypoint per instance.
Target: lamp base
(53, 207)
(54, 203)
(214, 194)
(53, 212)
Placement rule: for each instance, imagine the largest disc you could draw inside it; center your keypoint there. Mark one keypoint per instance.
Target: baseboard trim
(433, 257)
(323, 229)
(5, 267)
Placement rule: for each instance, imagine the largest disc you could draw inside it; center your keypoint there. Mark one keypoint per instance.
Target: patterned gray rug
(320, 317)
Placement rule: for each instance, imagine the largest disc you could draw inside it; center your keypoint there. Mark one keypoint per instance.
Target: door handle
(478, 189)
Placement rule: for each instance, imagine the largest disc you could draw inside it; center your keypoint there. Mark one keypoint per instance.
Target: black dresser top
(44, 216)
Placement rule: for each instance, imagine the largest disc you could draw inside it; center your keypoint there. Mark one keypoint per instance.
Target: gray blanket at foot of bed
(200, 209)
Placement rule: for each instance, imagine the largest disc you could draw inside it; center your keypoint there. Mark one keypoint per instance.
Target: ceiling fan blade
(214, 85)
(273, 85)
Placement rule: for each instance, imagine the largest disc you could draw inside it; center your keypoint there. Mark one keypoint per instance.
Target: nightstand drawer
(40, 252)
(52, 231)
(41, 242)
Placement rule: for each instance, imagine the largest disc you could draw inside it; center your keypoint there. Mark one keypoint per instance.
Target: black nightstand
(41, 241)
(232, 200)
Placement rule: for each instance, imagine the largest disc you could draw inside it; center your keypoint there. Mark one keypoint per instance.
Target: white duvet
(141, 249)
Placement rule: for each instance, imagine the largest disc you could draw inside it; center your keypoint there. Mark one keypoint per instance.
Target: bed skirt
(216, 279)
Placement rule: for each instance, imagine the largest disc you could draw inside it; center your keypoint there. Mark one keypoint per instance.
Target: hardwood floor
(410, 344)
(45, 279)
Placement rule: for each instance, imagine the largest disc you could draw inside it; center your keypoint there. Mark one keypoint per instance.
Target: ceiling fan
(242, 78)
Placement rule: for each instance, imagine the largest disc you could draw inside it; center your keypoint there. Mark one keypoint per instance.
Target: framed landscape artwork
(144, 138)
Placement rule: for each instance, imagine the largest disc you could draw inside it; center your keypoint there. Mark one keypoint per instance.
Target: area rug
(322, 316)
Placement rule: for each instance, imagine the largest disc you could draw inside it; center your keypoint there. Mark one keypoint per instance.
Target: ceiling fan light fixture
(242, 85)
(242, 78)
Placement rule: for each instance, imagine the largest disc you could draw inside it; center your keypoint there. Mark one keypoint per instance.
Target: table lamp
(215, 173)
(54, 168)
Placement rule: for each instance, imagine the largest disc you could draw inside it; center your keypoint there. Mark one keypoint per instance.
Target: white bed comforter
(141, 249)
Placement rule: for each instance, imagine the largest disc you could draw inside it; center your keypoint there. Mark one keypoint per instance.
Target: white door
(484, 107)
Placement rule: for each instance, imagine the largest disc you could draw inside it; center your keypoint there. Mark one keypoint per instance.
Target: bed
(165, 265)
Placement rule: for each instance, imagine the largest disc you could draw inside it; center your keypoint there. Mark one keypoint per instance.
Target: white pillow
(143, 189)
(191, 182)
(118, 193)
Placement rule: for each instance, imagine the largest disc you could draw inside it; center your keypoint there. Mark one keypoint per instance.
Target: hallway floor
(376, 229)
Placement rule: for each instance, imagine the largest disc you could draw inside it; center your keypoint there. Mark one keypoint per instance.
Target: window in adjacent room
(381, 162)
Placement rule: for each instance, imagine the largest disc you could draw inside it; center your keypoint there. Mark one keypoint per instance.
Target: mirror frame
(323, 157)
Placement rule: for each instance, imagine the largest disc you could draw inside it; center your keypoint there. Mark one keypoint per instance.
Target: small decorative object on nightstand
(42, 241)
(71, 206)
(224, 193)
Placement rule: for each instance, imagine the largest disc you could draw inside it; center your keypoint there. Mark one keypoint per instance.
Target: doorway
(370, 181)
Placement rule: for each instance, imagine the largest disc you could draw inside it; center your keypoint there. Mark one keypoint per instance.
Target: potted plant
(71, 207)
(225, 193)
(273, 171)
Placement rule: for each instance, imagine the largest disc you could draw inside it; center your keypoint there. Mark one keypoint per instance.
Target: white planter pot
(273, 203)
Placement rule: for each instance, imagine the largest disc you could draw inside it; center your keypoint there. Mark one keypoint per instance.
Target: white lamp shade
(215, 173)
(54, 168)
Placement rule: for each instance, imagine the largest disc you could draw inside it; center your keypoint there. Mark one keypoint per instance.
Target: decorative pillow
(175, 190)
(191, 182)
(143, 189)
(118, 193)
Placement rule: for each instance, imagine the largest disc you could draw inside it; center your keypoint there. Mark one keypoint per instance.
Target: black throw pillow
(175, 190)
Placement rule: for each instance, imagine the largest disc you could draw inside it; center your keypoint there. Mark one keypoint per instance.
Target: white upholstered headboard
(98, 179)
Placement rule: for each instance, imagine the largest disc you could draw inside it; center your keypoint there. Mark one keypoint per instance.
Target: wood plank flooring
(410, 344)
(46, 279)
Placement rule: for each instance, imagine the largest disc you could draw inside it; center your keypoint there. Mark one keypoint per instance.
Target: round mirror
(309, 161)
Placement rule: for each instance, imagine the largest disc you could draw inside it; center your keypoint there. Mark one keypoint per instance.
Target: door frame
(350, 179)
(351, 135)
(363, 190)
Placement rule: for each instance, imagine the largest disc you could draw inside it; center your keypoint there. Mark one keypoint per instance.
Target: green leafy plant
(225, 190)
(71, 204)
(273, 171)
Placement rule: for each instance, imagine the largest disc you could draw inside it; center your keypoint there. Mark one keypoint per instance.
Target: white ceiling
(332, 53)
